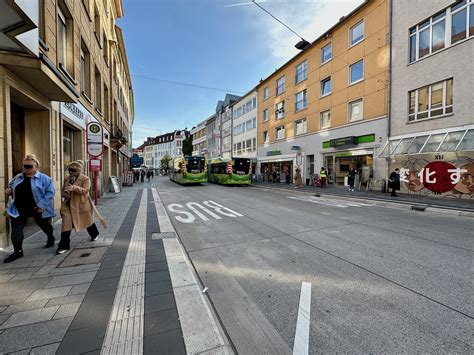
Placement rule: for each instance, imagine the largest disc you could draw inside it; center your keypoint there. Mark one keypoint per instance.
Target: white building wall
(242, 138)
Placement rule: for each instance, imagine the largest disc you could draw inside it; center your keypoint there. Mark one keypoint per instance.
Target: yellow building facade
(72, 70)
(328, 105)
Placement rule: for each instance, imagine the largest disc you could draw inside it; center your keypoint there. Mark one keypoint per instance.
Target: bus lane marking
(301, 344)
(192, 210)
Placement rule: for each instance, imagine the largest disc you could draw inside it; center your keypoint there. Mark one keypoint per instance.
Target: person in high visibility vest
(323, 175)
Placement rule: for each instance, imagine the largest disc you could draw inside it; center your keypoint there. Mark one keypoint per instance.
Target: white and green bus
(235, 171)
(188, 170)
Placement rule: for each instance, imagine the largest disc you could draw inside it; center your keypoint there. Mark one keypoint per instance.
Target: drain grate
(169, 235)
(418, 208)
(83, 256)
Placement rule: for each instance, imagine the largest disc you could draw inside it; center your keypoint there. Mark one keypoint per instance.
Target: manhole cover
(83, 256)
(168, 235)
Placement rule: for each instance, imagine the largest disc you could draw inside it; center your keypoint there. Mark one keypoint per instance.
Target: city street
(382, 279)
(262, 271)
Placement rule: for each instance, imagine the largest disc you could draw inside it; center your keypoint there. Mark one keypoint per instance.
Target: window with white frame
(280, 110)
(431, 101)
(326, 86)
(326, 53)
(265, 137)
(355, 110)
(280, 132)
(300, 100)
(85, 71)
(357, 33)
(356, 72)
(280, 88)
(301, 72)
(266, 93)
(325, 119)
(301, 126)
(444, 29)
(64, 38)
(265, 115)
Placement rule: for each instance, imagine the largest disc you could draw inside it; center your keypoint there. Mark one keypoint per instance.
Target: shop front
(437, 163)
(277, 167)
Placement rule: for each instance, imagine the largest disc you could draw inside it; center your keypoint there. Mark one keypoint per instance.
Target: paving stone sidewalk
(41, 293)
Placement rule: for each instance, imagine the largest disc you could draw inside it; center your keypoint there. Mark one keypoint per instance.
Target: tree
(165, 161)
(188, 146)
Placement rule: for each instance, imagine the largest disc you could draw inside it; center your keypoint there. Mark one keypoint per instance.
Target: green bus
(188, 170)
(235, 171)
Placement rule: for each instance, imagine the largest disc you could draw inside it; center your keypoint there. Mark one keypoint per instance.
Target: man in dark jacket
(351, 175)
(394, 182)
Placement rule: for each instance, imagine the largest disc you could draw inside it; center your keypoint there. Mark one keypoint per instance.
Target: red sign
(95, 165)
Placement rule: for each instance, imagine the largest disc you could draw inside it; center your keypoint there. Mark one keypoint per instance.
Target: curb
(383, 203)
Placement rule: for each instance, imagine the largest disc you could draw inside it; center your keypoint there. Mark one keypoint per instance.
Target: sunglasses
(27, 166)
(72, 170)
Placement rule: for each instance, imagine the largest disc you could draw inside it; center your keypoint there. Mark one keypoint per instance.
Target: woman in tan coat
(298, 179)
(77, 211)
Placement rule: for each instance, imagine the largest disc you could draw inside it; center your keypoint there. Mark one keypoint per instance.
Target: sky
(213, 44)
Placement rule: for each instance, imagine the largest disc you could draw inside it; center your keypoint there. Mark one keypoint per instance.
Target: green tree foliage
(188, 146)
(165, 162)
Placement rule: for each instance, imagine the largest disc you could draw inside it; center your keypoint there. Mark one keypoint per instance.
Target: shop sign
(273, 152)
(352, 153)
(95, 139)
(343, 142)
(295, 147)
(95, 165)
(74, 113)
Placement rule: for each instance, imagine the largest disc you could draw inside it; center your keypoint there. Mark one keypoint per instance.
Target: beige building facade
(64, 66)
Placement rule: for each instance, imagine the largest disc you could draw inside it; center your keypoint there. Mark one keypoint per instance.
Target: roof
(321, 37)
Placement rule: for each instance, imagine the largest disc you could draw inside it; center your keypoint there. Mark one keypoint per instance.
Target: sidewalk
(455, 206)
(116, 295)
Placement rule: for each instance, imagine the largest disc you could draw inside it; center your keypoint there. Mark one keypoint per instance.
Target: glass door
(329, 165)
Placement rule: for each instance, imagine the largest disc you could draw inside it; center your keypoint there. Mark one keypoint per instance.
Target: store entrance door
(329, 165)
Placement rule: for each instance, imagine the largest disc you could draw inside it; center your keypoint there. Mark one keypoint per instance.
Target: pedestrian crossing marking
(329, 202)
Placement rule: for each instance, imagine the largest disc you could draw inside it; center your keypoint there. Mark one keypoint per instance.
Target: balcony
(117, 138)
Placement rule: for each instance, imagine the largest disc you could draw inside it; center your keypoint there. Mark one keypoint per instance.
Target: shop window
(280, 87)
(326, 53)
(301, 126)
(68, 146)
(325, 119)
(431, 101)
(356, 72)
(356, 109)
(300, 100)
(326, 87)
(356, 33)
(301, 72)
(85, 71)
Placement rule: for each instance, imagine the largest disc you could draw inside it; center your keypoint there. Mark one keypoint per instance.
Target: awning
(435, 142)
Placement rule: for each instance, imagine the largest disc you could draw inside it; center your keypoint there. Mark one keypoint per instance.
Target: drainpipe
(389, 103)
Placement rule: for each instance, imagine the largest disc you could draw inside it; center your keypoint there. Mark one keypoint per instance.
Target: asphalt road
(382, 279)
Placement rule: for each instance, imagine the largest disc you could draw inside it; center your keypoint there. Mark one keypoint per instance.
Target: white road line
(319, 201)
(163, 219)
(301, 344)
(125, 326)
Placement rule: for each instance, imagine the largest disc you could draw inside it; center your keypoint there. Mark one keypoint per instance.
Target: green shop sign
(348, 141)
(273, 152)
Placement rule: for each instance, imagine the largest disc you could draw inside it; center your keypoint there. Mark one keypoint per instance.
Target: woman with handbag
(77, 209)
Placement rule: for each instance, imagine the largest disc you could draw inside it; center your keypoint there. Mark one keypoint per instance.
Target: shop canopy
(453, 141)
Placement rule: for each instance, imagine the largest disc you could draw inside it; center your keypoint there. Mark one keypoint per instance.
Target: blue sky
(209, 43)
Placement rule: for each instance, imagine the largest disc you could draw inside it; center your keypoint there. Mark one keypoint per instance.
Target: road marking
(164, 221)
(301, 344)
(188, 213)
(329, 202)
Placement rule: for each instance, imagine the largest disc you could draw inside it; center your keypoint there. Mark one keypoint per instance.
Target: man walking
(394, 182)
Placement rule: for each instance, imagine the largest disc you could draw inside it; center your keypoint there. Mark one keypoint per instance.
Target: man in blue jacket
(32, 195)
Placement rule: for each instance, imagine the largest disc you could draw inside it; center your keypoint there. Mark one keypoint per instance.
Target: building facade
(199, 137)
(224, 114)
(328, 105)
(244, 132)
(70, 69)
(165, 145)
(213, 140)
(431, 116)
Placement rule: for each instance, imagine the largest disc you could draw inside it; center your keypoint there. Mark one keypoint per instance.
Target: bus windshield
(195, 165)
(241, 166)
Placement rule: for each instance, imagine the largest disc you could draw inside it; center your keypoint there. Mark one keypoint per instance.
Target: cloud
(309, 19)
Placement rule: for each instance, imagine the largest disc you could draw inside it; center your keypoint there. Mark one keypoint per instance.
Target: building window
(431, 101)
(326, 119)
(301, 126)
(265, 115)
(105, 48)
(265, 137)
(357, 33)
(97, 31)
(280, 110)
(326, 87)
(106, 104)
(41, 20)
(435, 33)
(356, 109)
(280, 132)
(85, 71)
(300, 100)
(65, 43)
(301, 72)
(266, 93)
(356, 72)
(98, 90)
(326, 53)
(280, 86)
